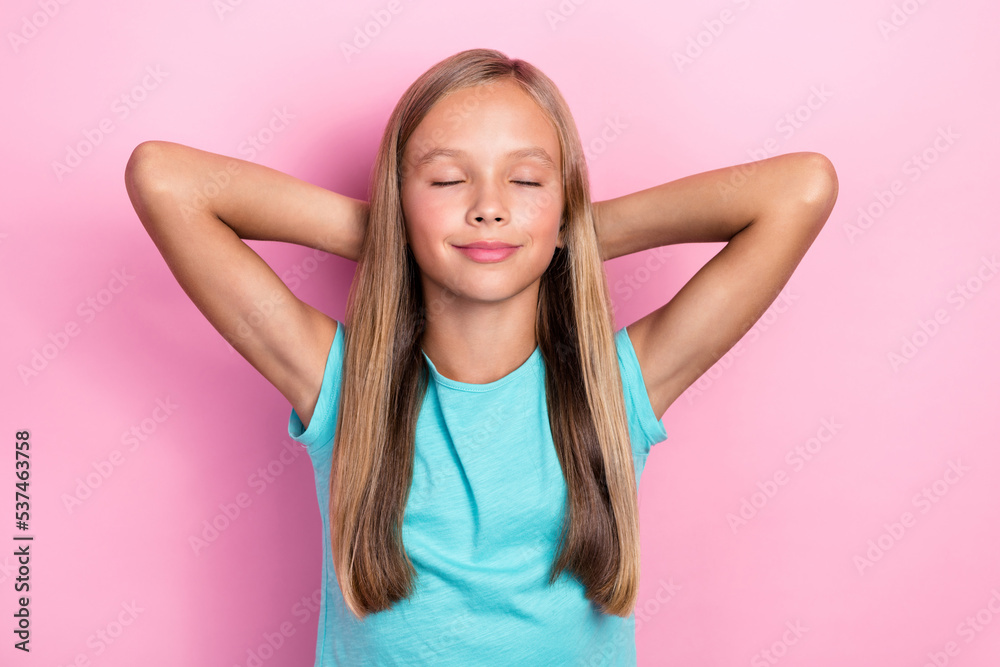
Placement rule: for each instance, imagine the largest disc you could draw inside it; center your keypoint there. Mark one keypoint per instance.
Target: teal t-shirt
(481, 527)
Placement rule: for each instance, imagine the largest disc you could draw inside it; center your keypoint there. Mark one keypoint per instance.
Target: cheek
(411, 204)
(543, 211)
(414, 211)
(436, 208)
(425, 222)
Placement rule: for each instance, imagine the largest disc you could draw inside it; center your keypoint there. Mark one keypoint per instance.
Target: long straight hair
(385, 375)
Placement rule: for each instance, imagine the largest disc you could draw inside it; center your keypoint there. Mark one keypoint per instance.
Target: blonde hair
(385, 375)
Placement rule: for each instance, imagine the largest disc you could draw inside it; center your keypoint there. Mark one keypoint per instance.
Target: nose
(489, 204)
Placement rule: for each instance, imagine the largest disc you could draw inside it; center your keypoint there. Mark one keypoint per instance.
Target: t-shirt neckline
(533, 361)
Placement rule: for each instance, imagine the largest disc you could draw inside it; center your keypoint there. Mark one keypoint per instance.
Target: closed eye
(443, 183)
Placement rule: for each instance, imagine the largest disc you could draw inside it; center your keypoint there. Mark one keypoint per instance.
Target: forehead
(536, 153)
(494, 120)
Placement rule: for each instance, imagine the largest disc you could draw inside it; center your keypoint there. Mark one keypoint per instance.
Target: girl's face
(483, 165)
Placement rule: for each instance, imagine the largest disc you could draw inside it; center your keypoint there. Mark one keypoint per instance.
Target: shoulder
(316, 429)
(642, 420)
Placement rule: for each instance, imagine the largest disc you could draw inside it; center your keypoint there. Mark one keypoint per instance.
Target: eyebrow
(534, 152)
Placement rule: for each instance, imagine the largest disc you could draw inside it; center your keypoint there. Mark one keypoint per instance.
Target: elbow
(139, 168)
(147, 178)
(819, 184)
(148, 167)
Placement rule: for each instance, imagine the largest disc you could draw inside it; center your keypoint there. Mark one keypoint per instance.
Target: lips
(486, 252)
(490, 245)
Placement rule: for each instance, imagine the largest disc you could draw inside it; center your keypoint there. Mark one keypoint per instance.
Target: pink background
(845, 549)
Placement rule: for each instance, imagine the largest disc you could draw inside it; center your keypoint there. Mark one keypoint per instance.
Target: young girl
(476, 425)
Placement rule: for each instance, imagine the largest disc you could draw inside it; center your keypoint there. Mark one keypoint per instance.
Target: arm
(256, 202)
(769, 212)
(197, 206)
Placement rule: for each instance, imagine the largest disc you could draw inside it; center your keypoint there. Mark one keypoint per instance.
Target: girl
(476, 425)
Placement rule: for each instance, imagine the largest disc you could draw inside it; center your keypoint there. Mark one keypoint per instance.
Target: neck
(478, 342)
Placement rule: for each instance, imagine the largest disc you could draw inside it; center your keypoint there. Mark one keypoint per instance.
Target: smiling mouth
(490, 245)
(488, 255)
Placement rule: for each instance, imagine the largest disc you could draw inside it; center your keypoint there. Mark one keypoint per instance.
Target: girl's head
(490, 128)
(484, 164)
(497, 126)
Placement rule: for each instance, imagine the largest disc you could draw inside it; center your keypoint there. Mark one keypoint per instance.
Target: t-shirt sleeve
(322, 425)
(642, 420)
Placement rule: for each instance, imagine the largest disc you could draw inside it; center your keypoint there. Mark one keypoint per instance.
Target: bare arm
(769, 212)
(257, 202)
(197, 206)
